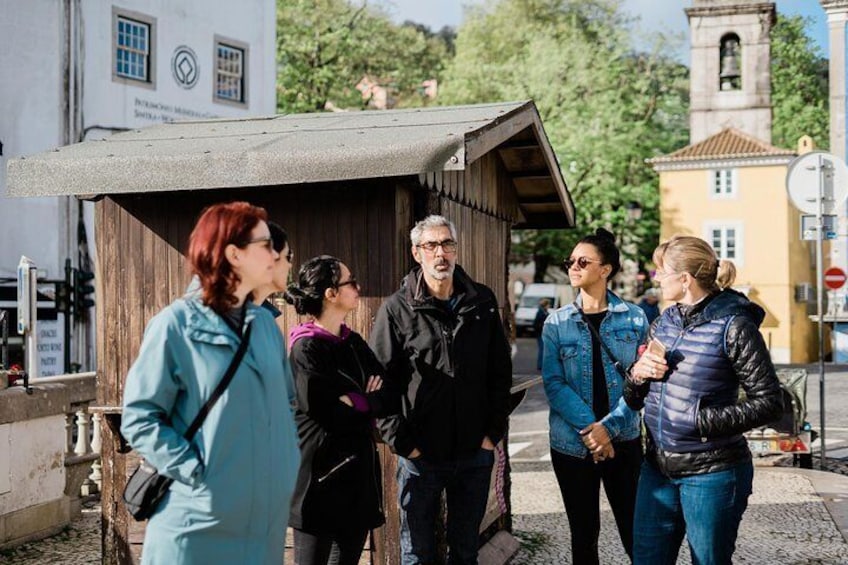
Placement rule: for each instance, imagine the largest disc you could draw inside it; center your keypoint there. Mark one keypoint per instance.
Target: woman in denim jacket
(595, 436)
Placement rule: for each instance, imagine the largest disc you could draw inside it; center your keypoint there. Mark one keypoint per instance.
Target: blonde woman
(697, 473)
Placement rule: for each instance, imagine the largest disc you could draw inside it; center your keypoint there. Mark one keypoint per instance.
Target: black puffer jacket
(339, 485)
(453, 363)
(693, 418)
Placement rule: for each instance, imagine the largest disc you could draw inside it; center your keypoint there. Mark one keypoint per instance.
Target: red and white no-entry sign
(834, 278)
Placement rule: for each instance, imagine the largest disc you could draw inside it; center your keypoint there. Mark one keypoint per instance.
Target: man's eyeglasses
(351, 281)
(581, 262)
(448, 246)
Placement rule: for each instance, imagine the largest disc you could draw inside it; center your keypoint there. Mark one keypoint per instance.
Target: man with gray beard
(443, 346)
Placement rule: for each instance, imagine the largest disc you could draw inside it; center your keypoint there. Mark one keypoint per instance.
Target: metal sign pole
(820, 300)
(817, 183)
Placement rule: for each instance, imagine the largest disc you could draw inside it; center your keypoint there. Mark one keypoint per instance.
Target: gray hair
(430, 222)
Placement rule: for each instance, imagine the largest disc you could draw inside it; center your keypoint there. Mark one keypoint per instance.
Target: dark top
(714, 348)
(338, 484)
(235, 318)
(600, 394)
(268, 305)
(652, 311)
(539, 320)
(454, 368)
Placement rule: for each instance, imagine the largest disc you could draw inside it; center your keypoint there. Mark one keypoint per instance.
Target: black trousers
(338, 549)
(579, 482)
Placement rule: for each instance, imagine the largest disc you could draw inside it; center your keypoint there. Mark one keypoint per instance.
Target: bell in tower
(730, 76)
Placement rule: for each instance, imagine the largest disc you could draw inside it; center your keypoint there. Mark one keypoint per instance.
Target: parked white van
(557, 294)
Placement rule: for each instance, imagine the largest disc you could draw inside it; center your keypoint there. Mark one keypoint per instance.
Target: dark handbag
(146, 487)
(615, 362)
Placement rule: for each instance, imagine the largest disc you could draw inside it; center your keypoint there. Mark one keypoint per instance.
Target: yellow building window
(723, 183)
(724, 242)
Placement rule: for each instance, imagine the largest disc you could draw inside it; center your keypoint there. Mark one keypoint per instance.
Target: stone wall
(33, 450)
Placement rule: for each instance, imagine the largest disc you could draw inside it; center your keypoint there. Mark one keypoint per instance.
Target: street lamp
(634, 211)
(631, 248)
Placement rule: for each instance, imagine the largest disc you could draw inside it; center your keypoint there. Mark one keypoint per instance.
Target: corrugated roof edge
(255, 153)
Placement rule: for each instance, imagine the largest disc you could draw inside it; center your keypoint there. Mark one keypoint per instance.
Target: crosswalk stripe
(515, 447)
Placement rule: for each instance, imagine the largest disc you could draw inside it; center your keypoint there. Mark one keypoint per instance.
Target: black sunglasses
(582, 262)
(351, 281)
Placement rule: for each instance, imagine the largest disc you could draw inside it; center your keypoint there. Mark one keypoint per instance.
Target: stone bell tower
(730, 83)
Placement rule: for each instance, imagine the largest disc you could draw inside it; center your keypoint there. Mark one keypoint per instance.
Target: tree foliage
(799, 87)
(605, 108)
(325, 47)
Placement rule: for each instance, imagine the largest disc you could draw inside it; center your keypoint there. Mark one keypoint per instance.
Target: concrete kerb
(833, 490)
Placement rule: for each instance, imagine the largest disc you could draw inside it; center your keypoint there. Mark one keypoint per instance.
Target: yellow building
(730, 189)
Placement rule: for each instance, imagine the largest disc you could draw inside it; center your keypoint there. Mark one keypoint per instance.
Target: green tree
(605, 108)
(799, 87)
(325, 47)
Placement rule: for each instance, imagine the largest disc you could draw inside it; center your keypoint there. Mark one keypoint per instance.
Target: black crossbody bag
(615, 362)
(146, 487)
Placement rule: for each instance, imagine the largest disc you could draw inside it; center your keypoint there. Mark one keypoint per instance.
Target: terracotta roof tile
(728, 142)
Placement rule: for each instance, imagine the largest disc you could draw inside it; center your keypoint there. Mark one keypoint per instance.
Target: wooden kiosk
(348, 184)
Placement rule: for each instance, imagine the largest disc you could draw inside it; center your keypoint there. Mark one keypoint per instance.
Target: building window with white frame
(726, 240)
(230, 72)
(133, 49)
(723, 183)
(133, 45)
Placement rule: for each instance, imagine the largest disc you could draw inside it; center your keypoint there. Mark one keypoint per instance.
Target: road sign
(834, 278)
(802, 182)
(810, 227)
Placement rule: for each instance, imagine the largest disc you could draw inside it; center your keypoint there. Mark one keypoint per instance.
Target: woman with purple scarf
(339, 386)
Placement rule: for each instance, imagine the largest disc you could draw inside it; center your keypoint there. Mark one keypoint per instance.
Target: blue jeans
(465, 481)
(706, 508)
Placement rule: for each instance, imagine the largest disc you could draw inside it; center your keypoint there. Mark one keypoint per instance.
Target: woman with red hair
(229, 502)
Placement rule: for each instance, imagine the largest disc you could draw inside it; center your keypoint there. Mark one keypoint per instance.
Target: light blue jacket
(229, 502)
(567, 372)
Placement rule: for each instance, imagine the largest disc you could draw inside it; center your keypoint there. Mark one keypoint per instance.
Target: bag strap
(615, 362)
(222, 386)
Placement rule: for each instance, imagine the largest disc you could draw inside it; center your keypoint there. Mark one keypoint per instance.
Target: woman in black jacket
(697, 474)
(338, 381)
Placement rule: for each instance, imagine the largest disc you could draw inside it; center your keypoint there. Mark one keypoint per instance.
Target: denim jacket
(567, 372)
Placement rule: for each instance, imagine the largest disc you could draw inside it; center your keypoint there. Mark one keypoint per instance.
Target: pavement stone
(794, 517)
(787, 521)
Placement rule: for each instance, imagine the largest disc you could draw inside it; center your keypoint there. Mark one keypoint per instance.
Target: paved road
(529, 422)
(794, 516)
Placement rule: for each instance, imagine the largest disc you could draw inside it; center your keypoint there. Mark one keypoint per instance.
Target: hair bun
(605, 234)
(304, 300)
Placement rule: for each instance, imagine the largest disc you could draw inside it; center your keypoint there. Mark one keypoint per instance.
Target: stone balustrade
(49, 455)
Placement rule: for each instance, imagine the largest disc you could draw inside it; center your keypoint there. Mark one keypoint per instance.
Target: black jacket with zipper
(718, 349)
(452, 362)
(339, 485)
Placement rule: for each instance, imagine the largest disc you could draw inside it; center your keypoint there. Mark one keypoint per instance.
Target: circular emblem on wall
(184, 66)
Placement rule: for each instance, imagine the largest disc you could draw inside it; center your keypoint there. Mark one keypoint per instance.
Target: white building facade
(74, 70)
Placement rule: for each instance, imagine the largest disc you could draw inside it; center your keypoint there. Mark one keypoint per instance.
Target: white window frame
(739, 239)
(149, 54)
(718, 183)
(241, 76)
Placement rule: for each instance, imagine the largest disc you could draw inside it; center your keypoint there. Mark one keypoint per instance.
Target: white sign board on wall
(51, 348)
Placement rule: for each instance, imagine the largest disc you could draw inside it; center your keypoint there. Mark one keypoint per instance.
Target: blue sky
(655, 15)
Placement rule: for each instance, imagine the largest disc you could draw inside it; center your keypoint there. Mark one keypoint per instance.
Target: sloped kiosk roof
(306, 148)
